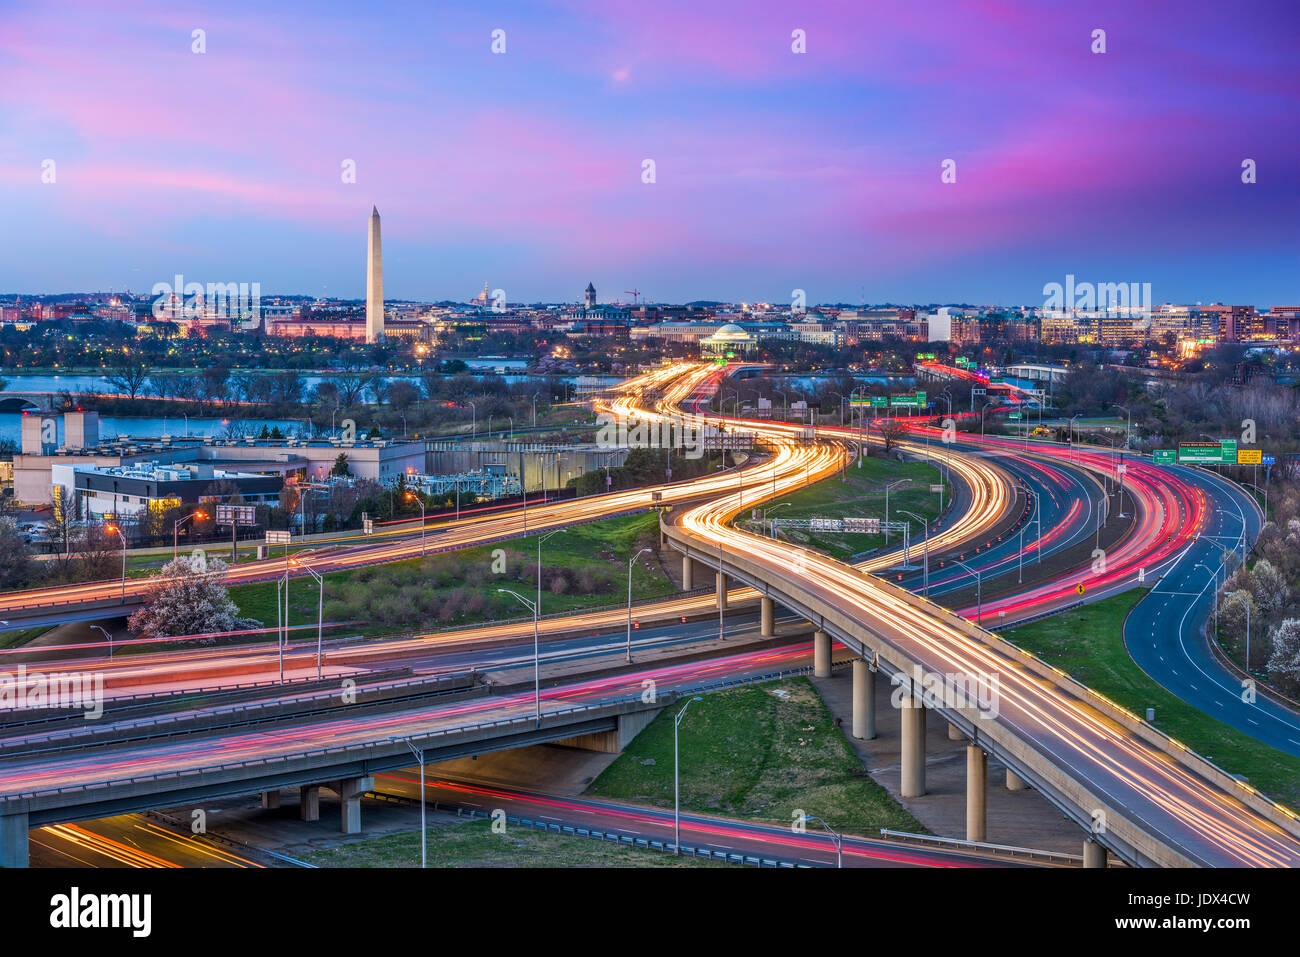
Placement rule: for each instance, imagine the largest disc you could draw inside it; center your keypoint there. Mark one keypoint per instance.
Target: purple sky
(775, 170)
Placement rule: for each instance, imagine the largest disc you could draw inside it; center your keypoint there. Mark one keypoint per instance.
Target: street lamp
(105, 634)
(1070, 434)
(982, 416)
(836, 836)
(424, 845)
(771, 527)
(631, 562)
(840, 396)
(926, 559)
(320, 603)
(176, 528)
(412, 497)
(979, 590)
(118, 532)
(677, 804)
(1128, 429)
(474, 421)
(1214, 575)
(537, 670)
(891, 485)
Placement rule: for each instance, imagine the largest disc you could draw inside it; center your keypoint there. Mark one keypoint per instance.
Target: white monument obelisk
(374, 282)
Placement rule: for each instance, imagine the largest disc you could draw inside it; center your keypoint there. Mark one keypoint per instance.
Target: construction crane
(634, 293)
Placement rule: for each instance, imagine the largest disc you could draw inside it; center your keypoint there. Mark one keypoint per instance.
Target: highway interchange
(1181, 517)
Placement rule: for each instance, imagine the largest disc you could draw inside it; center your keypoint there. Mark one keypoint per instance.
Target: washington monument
(374, 282)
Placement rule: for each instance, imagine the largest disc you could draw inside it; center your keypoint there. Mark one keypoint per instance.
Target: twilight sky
(775, 170)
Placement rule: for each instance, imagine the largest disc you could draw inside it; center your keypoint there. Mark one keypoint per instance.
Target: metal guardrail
(222, 839)
(1019, 853)
(259, 712)
(632, 840)
(361, 750)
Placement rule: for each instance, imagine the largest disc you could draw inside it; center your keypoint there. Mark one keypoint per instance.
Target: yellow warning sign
(1250, 456)
(1079, 588)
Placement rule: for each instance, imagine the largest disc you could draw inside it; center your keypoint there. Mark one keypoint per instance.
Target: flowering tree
(188, 597)
(1284, 662)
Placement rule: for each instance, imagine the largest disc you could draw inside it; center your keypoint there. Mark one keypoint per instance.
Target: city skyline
(774, 170)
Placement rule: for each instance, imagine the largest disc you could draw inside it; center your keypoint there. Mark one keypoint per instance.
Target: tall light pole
(1128, 429)
(979, 590)
(473, 421)
(102, 631)
(891, 485)
(1214, 576)
(412, 497)
(281, 613)
(677, 804)
(118, 532)
(424, 844)
(982, 416)
(631, 562)
(320, 603)
(1070, 434)
(534, 410)
(926, 559)
(771, 528)
(176, 531)
(836, 836)
(537, 669)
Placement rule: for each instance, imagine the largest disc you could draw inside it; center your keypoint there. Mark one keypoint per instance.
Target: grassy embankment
(862, 495)
(582, 567)
(758, 753)
(1088, 644)
(472, 844)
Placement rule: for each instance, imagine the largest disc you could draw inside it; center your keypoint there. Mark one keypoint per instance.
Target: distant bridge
(26, 401)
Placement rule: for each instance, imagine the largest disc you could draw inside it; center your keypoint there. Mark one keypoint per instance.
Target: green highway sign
(1164, 456)
(879, 401)
(1014, 415)
(1223, 452)
(913, 401)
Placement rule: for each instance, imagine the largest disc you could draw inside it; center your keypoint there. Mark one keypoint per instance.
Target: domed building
(730, 339)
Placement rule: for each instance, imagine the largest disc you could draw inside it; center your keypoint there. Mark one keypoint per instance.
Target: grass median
(862, 494)
(1088, 644)
(583, 566)
(473, 844)
(762, 753)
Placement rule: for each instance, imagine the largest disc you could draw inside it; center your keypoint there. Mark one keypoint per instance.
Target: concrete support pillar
(722, 590)
(350, 792)
(864, 701)
(309, 802)
(912, 782)
(270, 800)
(1015, 782)
(1094, 855)
(821, 654)
(977, 775)
(768, 616)
(954, 732)
(13, 840)
(688, 573)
